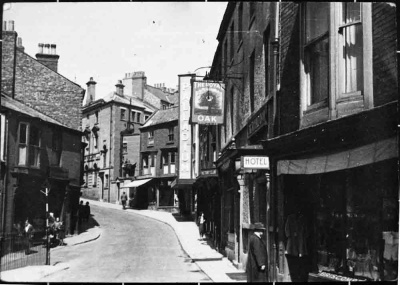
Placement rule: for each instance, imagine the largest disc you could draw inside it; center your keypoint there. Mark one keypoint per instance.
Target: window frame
(29, 147)
(123, 114)
(336, 104)
(171, 133)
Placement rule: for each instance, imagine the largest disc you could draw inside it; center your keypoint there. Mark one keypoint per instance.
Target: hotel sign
(208, 103)
(254, 162)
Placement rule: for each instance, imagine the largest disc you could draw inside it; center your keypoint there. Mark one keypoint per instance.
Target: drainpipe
(5, 190)
(275, 78)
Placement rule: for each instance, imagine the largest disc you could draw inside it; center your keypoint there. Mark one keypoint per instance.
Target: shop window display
(353, 220)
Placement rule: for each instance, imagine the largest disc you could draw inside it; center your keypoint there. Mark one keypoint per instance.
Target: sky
(106, 40)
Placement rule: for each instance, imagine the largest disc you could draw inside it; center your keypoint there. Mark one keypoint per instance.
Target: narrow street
(131, 248)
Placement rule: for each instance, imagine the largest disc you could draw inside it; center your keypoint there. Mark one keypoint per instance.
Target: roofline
(230, 8)
(50, 69)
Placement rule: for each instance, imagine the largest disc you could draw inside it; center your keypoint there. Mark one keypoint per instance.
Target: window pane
(351, 12)
(22, 133)
(34, 137)
(353, 58)
(318, 58)
(317, 20)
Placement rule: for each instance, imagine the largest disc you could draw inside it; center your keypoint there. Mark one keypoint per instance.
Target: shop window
(29, 145)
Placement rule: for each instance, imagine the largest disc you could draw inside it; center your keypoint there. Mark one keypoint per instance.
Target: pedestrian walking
(201, 223)
(28, 236)
(124, 198)
(86, 212)
(79, 217)
(256, 268)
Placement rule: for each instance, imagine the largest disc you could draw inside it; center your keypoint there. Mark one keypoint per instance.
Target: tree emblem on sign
(208, 103)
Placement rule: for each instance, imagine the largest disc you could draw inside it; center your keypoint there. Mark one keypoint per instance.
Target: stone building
(111, 133)
(41, 135)
(311, 92)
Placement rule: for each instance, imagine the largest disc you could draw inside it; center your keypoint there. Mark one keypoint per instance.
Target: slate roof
(125, 99)
(162, 116)
(157, 92)
(17, 106)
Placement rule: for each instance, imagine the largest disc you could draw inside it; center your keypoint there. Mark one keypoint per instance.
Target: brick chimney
(91, 91)
(47, 56)
(135, 83)
(120, 88)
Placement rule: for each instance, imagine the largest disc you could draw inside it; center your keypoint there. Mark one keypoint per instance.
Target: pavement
(217, 267)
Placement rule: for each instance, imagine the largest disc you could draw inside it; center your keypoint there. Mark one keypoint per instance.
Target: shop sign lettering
(255, 162)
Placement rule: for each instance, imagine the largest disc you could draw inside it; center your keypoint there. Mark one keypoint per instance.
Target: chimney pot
(46, 48)
(11, 25)
(40, 48)
(53, 49)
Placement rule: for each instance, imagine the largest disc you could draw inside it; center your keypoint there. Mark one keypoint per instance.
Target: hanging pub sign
(208, 102)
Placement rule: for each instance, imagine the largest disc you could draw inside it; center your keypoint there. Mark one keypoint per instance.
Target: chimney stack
(47, 56)
(91, 91)
(8, 26)
(120, 88)
(19, 44)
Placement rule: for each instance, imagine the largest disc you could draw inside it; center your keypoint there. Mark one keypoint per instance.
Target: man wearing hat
(256, 267)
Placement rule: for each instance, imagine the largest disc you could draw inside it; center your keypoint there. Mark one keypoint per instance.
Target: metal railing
(17, 251)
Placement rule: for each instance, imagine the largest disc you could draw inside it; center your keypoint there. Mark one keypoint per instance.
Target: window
(251, 79)
(123, 114)
(133, 117)
(106, 181)
(267, 60)
(336, 74)
(152, 160)
(138, 117)
(240, 24)
(95, 179)
(351, 40)
(172, 154)
(104, 159)
(150, 140)
(232, 39)
(316, 51)
(164, 107)
(225, 58)
(145, 160)
(56, 147)
(29, 145)
(95, 140)
(171, 134)
(124, 148)
(146, 117)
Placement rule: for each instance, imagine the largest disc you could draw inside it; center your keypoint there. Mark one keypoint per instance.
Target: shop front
(335, 201)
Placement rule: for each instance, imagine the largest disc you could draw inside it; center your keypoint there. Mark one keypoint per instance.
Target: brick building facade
(312, 87)
(111, 133)
(158, 162)
(41, 142)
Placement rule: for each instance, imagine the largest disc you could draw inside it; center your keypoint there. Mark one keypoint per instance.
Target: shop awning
(355, 157)
(136, 183)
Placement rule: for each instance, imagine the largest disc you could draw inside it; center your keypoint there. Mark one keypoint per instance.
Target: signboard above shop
(207, 103)
(254, 162)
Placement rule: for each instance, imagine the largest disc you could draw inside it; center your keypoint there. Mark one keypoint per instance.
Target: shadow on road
(182, 218)
(86, 225)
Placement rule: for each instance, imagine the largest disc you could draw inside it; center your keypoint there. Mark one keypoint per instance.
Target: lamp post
(47, 191)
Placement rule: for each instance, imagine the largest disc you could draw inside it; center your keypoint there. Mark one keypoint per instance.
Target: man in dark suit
(257, 266)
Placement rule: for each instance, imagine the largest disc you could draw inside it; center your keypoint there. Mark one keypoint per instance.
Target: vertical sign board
(208, 103)
(185, 133)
